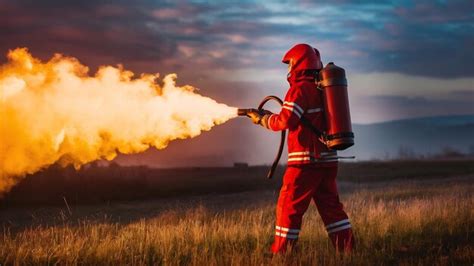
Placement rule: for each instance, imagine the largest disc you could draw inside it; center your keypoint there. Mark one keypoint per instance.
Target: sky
(403, 58)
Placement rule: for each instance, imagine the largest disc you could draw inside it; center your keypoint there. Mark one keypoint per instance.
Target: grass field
(415, 221)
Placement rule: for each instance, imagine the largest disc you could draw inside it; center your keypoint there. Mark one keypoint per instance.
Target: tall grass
(410, 224)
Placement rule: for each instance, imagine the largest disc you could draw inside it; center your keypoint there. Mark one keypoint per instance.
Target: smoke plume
(54, 112)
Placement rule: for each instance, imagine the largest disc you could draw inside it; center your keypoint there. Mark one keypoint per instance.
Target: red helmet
(303, 56)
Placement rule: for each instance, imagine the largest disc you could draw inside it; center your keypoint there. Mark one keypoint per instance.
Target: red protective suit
(312, 167)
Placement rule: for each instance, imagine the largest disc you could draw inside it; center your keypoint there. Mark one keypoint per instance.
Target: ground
(427, 220)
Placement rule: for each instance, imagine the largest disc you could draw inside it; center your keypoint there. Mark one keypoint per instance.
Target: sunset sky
(403, 58)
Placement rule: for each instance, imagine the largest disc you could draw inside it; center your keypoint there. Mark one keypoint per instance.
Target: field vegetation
(402, 213)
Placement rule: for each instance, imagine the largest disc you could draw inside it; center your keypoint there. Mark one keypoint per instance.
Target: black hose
(283, 134)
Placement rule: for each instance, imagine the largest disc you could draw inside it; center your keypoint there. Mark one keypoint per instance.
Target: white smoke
(55, 112)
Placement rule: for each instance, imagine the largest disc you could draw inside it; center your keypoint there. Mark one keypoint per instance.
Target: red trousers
(301, 184)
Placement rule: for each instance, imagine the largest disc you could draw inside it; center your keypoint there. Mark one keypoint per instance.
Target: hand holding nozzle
(245, 112)
(258, 117)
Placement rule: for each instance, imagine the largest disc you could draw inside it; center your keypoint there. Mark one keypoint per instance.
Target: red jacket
(303, 99)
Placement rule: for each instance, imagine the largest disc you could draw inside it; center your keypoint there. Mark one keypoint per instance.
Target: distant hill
(429, 135)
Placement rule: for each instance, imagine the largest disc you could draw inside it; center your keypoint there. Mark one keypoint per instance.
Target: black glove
(259, 117)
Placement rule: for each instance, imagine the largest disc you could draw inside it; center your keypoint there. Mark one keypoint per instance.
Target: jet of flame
(54, 112)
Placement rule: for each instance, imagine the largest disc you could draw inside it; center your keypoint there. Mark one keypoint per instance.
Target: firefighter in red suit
(312, 167)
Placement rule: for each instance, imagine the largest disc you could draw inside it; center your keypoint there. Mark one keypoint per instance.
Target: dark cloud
(427, 38)
(432, 40)
(91, 31)
(383, 107)
(465, 94)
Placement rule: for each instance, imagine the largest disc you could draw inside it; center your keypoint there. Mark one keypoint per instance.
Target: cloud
(382, 107)
(95, 33)
(396, 84)
(426, 38)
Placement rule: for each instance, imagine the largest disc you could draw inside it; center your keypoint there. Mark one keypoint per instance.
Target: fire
(54, 112)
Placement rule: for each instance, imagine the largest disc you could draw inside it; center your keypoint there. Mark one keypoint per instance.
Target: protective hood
(303, 57)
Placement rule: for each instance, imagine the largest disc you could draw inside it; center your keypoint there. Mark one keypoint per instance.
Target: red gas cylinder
(333, 82)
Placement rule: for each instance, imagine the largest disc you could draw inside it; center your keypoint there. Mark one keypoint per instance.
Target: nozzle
(244, 112)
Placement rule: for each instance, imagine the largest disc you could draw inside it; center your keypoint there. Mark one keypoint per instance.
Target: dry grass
(428, 222)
